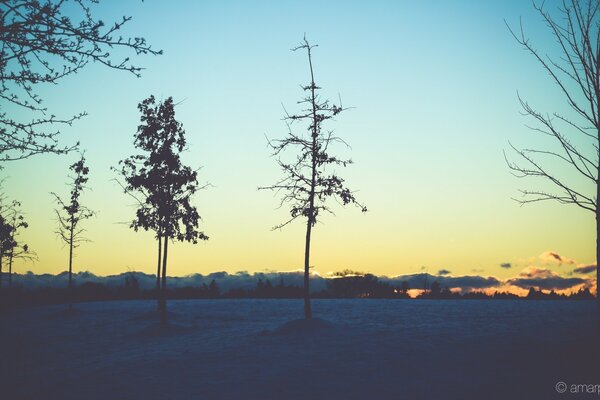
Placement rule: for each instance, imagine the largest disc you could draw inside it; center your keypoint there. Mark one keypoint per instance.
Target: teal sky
(434, 86)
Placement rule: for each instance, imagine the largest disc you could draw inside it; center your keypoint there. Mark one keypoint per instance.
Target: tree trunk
(158, 274)
(70, 288)
(598, 237)
(163, 291)
(10, 262)
(311, 217)
(598, 255)
(1, 267)
(307, 307)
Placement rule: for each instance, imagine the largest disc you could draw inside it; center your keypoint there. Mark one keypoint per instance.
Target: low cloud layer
(225, 280)
(543, 278)
(424, 280)
(540, 278)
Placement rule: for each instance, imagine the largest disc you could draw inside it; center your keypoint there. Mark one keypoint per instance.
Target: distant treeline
(346, 287)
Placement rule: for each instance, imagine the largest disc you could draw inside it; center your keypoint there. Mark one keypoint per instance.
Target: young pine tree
(308, 179)
(70, 213)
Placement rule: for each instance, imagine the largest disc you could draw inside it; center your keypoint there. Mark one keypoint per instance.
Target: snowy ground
(232, 349)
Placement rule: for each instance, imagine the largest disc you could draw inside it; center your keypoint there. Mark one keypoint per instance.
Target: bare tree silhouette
(71, 213)
(161, 184)
(308, 181)
(17, 250)
(6, 242)
(42, 42)
(573, 139)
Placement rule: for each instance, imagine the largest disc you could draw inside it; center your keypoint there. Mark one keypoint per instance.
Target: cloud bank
(540, 278)
(531, 276)
(543, 278)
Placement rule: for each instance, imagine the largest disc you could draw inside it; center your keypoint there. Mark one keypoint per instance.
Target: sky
(433, 90)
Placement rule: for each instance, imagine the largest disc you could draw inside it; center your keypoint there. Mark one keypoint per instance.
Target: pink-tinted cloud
(552, 257)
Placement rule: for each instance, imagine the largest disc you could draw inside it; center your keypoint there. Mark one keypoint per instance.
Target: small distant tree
(6, 243)
(70, 213)
(162, 186)
(213, 289)
(404, 287)
(11, 248)
(18, 250)
(308, 180)
(44, 41)
(132, 285)
(435, 290)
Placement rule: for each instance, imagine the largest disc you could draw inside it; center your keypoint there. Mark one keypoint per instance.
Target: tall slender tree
(70, 213)
(6, 243)
(309, 179)
(133, 180)
(568, 167)
(44, 41)
(162, 186)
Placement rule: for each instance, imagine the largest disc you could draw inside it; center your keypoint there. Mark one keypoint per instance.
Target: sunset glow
(427, 141)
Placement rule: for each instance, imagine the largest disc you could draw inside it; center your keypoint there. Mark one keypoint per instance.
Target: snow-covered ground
(236, 349)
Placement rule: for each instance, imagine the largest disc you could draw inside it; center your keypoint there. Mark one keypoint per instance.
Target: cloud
(552, 257)
(543, 278)
(225, 280)
(585, 269)
(466, 283)
(506, 265)
(535, 272)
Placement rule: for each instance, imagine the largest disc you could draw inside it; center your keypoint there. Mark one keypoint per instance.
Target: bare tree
(308, 179)
(568, 167)
(17, 250)
(42, 42)
(71, 213)
(6, 243)
(162, 186)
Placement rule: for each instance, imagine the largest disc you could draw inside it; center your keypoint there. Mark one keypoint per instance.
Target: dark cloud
(468, 282)
(444, 272)
(557, 283)
(543, 278)
(586, 269)
(555, 255)
(506, 265)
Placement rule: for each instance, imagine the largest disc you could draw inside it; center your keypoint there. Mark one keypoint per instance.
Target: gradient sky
(434, 86)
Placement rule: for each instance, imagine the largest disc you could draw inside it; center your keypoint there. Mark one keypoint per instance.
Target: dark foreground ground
(237, 349)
